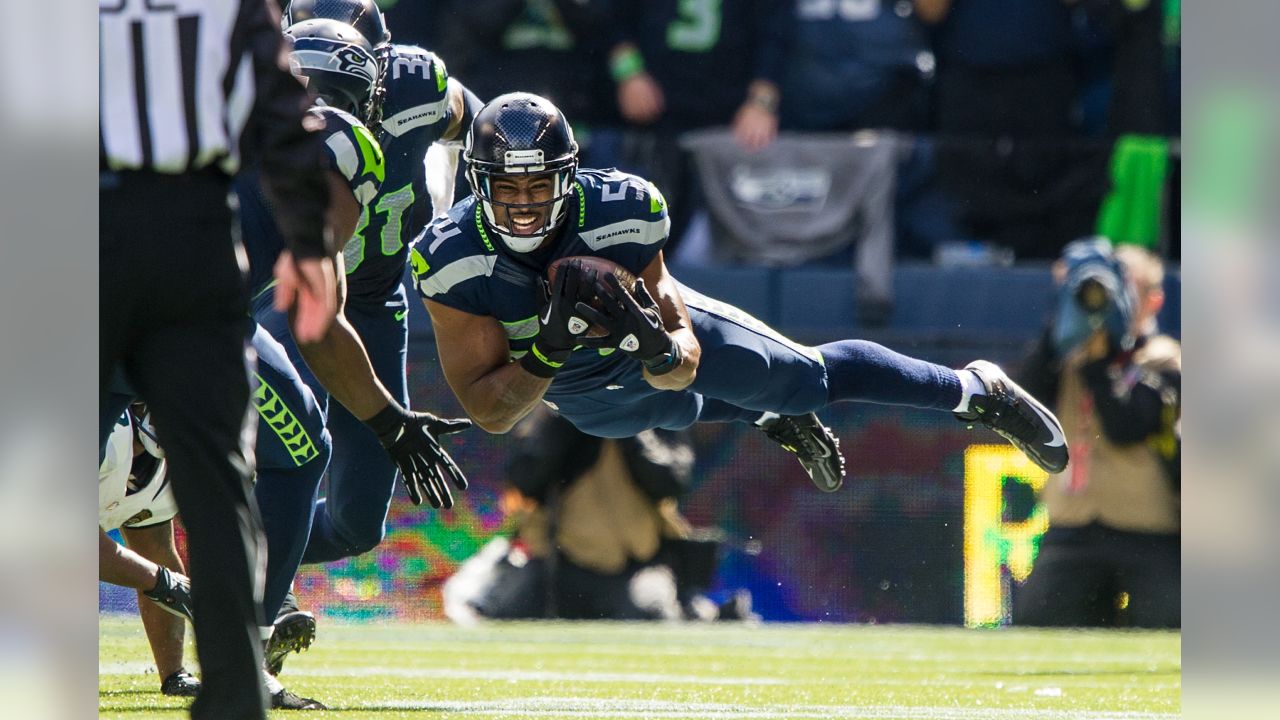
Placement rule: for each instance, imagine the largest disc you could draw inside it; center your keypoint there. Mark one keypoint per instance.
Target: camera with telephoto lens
(1094, 296)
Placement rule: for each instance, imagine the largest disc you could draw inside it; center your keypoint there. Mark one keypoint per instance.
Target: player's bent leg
(292, 632)
(751, 373)
(351, 519)
(293, 450)
(864, 371)
(748, 364)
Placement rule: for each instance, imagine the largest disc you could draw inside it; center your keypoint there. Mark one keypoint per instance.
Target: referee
(187, 89)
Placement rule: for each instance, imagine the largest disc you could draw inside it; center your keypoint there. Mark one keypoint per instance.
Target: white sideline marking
(594, 707)
(498, 674)
(138, 668)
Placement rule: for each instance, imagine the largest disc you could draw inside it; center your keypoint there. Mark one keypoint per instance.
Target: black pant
(173, 316)
(1096, 576)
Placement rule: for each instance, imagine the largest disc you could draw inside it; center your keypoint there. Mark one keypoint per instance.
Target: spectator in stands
(1007, 151)
(1143, 37)
(1004, 66)
(598, 533)
(1111, 555)
(554, 48)
(857, 65)
(682, 66)
(868, 64)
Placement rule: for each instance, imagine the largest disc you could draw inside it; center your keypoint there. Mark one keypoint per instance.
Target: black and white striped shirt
(179, 79)
(190, 85)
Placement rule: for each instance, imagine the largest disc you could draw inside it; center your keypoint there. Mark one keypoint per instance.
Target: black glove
(172, 593)
(634, 325)
(412, 441)
(559, 325)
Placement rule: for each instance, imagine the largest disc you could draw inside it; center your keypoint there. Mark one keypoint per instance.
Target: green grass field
(388, 670)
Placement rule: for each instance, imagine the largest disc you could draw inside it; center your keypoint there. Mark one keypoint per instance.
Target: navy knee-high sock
(867, 372)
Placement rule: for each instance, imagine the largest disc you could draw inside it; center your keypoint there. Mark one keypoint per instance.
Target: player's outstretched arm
(337, 356)
(412, 439)
(473, 350)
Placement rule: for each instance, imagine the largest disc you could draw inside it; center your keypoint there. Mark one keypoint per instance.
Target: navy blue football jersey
(415, 113)
(612, 214)
(352, 152)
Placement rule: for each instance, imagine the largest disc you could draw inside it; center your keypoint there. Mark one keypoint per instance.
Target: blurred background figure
(1111, 555)
(870, 64)
(1009, 154)
(598, 535)
(554, 48)
(682, 66)
(1004, 66)
(854, 65)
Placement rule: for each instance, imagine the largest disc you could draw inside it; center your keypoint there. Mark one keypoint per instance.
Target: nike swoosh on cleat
(1058, 440)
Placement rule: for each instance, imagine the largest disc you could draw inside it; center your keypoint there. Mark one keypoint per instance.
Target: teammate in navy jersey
(294, 445)
(416, 104)
(672, 356)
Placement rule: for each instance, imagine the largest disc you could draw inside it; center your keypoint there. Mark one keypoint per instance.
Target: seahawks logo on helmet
(336, 63)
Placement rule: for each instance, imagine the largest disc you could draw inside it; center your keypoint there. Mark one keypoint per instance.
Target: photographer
(598, 535)
(1111, 555)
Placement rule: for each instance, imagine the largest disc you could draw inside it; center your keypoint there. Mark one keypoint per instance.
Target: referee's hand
(310, 285)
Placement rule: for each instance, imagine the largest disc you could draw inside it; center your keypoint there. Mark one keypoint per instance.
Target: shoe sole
(293, 633)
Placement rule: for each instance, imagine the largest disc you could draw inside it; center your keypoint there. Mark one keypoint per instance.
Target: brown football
(602, 267)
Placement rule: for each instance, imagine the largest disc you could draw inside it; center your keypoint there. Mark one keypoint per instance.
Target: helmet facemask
(523, 163)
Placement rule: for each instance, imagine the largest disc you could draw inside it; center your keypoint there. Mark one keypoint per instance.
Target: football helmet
(363, 15)
(521, 134)
(144, 429)
(337, 63)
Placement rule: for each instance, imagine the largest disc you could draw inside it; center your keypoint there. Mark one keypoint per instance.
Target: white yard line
(137, 668)
(591, 707)
(996, 683)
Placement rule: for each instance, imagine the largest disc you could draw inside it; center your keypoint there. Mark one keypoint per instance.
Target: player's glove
(412, 439)
(634, 324)
(560, 325)
(172, 593)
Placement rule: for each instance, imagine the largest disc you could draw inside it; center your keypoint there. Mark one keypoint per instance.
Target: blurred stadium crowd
(1004, 129)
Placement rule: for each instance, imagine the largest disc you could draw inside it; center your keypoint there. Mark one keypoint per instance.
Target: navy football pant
(350, 519)
(747, 368)
(293, 450)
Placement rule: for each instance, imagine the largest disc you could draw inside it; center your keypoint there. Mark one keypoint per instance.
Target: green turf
(388, 670)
